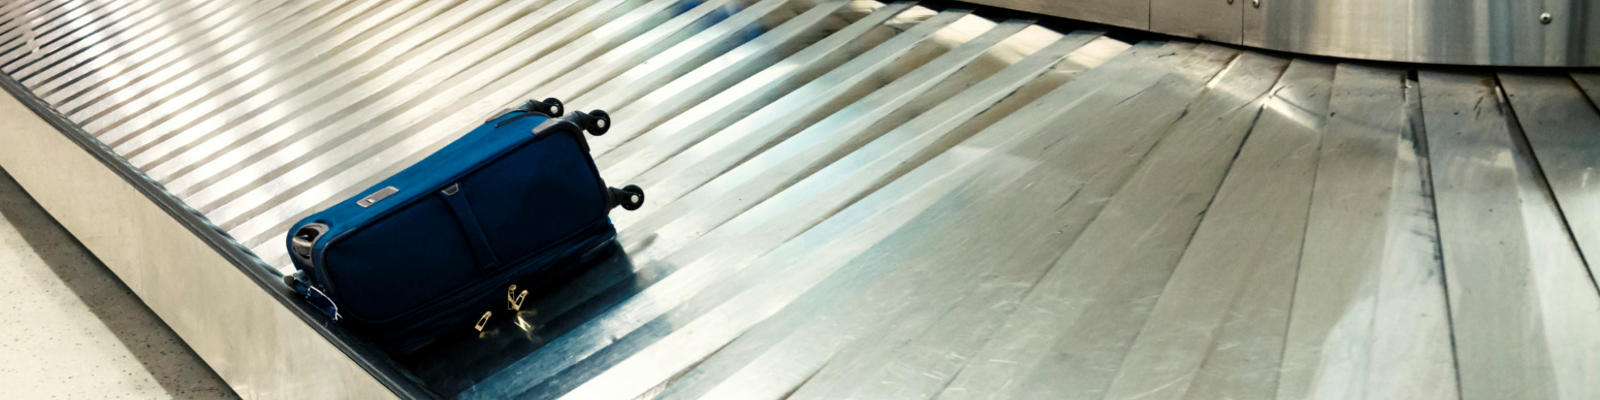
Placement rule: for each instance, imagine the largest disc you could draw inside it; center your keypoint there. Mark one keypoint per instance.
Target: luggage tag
(318, 300)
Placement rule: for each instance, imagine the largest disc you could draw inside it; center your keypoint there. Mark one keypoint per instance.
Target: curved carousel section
(1534, 33)
(848, 199)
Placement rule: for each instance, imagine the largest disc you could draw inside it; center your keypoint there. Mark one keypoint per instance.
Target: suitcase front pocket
(470, 228)
(401, 262)
(534, 197)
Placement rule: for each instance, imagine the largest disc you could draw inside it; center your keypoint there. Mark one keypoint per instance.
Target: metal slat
(337, 123)
(811, 259)
(682, 284)
(258, 82)
(1217, 315)
(201, 108)
(865, 168)
(1520, 299)
(712, 157)
(219, 72)
(52, 44)
(224, 185)
(710, 94)
(1411, 352)
(13, 28)
(131, 28)
(787, 19)
(182, 70)
(601, 67)
(171, 44)
(17, 28)
(689, 280)
(87, 44)
(747, 367)
(340, 102)
(107, 60)
(1564, 131)
(820, 195)
(504, 86)
(410, 137)
(1021, 121)
(791, 109)
(1186, 166)
(1111, 155)
(1590, 83)
(756, 179)
(42, 21)
(1363, 212)
(406, 143)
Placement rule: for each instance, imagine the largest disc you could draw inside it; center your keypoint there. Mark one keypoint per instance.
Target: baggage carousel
(847, 199)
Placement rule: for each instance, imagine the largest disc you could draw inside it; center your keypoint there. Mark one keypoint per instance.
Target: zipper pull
(514, 299)
(482, 321)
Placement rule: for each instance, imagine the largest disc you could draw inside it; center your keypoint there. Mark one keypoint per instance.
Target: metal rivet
(600, 123)
(1544, 18)
(1255, 3)
(633, 198)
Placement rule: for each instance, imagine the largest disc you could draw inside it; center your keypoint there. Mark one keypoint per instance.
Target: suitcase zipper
(482, 321)
(514, 299)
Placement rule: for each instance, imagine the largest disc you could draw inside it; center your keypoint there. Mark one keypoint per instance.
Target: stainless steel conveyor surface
(851, 199)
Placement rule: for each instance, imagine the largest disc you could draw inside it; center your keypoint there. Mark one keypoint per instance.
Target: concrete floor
(70, 329)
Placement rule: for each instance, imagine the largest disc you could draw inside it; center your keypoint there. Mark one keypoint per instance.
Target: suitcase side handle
(304, 242)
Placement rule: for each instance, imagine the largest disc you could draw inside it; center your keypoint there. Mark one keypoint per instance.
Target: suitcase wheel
(631, 198)
(598, 122)
(554, 107)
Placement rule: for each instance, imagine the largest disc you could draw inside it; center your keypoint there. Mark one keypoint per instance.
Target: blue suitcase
(443, 245)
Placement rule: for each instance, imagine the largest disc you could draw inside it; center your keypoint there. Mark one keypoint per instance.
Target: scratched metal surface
(851, 199)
